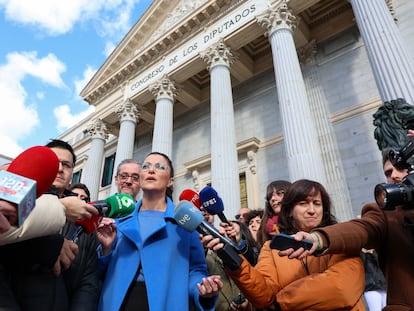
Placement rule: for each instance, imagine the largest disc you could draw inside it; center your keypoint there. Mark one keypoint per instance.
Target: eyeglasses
(67, 165)
(238, 216)
(158, 166)
(125, 176)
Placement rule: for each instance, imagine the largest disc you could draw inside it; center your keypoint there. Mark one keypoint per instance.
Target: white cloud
(109, 47)
(19, 118)
(11, 148)
(56, 17)
(66, 119)
(118, 23)
(87, 76)
(111, 20)
(59, 17)
(48, 69)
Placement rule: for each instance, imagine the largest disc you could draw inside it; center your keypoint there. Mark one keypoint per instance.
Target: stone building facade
(241, 93)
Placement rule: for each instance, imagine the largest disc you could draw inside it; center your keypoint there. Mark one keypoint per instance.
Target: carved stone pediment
(183, 9)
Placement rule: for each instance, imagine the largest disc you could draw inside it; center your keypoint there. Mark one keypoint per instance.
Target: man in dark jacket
(64, 281)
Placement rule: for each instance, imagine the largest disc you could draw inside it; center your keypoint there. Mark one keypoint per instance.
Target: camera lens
(380, 195)
(388, 196)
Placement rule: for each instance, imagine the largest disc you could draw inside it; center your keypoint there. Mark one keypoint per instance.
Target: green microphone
(115, 206)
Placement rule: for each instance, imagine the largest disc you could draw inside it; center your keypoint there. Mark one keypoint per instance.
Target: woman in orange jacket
(326, 282)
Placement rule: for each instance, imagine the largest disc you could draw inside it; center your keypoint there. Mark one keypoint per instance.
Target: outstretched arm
(319, 245)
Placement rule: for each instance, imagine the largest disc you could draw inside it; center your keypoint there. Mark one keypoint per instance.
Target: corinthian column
(390, 62)
(164, 92)
(301, 141)
(128, 115)
(99, 133)
(335, 174)
(224, 162)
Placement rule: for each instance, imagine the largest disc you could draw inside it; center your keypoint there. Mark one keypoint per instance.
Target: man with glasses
(127, 177)
(241, 215)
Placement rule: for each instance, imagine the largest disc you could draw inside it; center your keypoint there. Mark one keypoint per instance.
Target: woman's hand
(244, 306)
(232, 230)
(106, 233)
(210, 286)
(67, 254)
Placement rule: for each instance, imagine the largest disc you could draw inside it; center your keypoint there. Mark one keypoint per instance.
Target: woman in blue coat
(148, 261)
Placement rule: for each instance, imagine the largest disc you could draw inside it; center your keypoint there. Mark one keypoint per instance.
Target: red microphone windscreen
(38, 163)
(192, 196)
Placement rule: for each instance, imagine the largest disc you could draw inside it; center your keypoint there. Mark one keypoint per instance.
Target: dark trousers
(136, 298)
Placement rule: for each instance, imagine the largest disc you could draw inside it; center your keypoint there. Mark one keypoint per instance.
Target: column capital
(163, 88)
(98, 129)
(281, 17)
(128, 111)
(219, 54)
(307, 53)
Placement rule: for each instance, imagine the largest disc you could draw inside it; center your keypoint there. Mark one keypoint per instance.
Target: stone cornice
(250, 144)
(367, 106)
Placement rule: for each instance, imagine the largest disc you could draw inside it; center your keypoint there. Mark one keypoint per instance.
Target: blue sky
(50, 49)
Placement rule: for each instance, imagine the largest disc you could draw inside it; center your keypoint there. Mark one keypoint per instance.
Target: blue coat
(172, 259)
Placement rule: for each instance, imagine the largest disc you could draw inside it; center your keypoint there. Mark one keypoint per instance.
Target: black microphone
(212, 203)
(190, 218)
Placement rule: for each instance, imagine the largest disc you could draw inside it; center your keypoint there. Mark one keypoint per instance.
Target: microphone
(115, 206)
(212, 203)
(27, 177)
(190, 218)
(192, 196)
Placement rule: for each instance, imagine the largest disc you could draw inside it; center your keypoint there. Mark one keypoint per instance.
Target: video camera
(388, 196)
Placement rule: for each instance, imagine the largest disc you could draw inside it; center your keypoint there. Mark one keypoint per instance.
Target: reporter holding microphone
(39, 164)
(147, 260)
(18, 219)
(69, 279)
